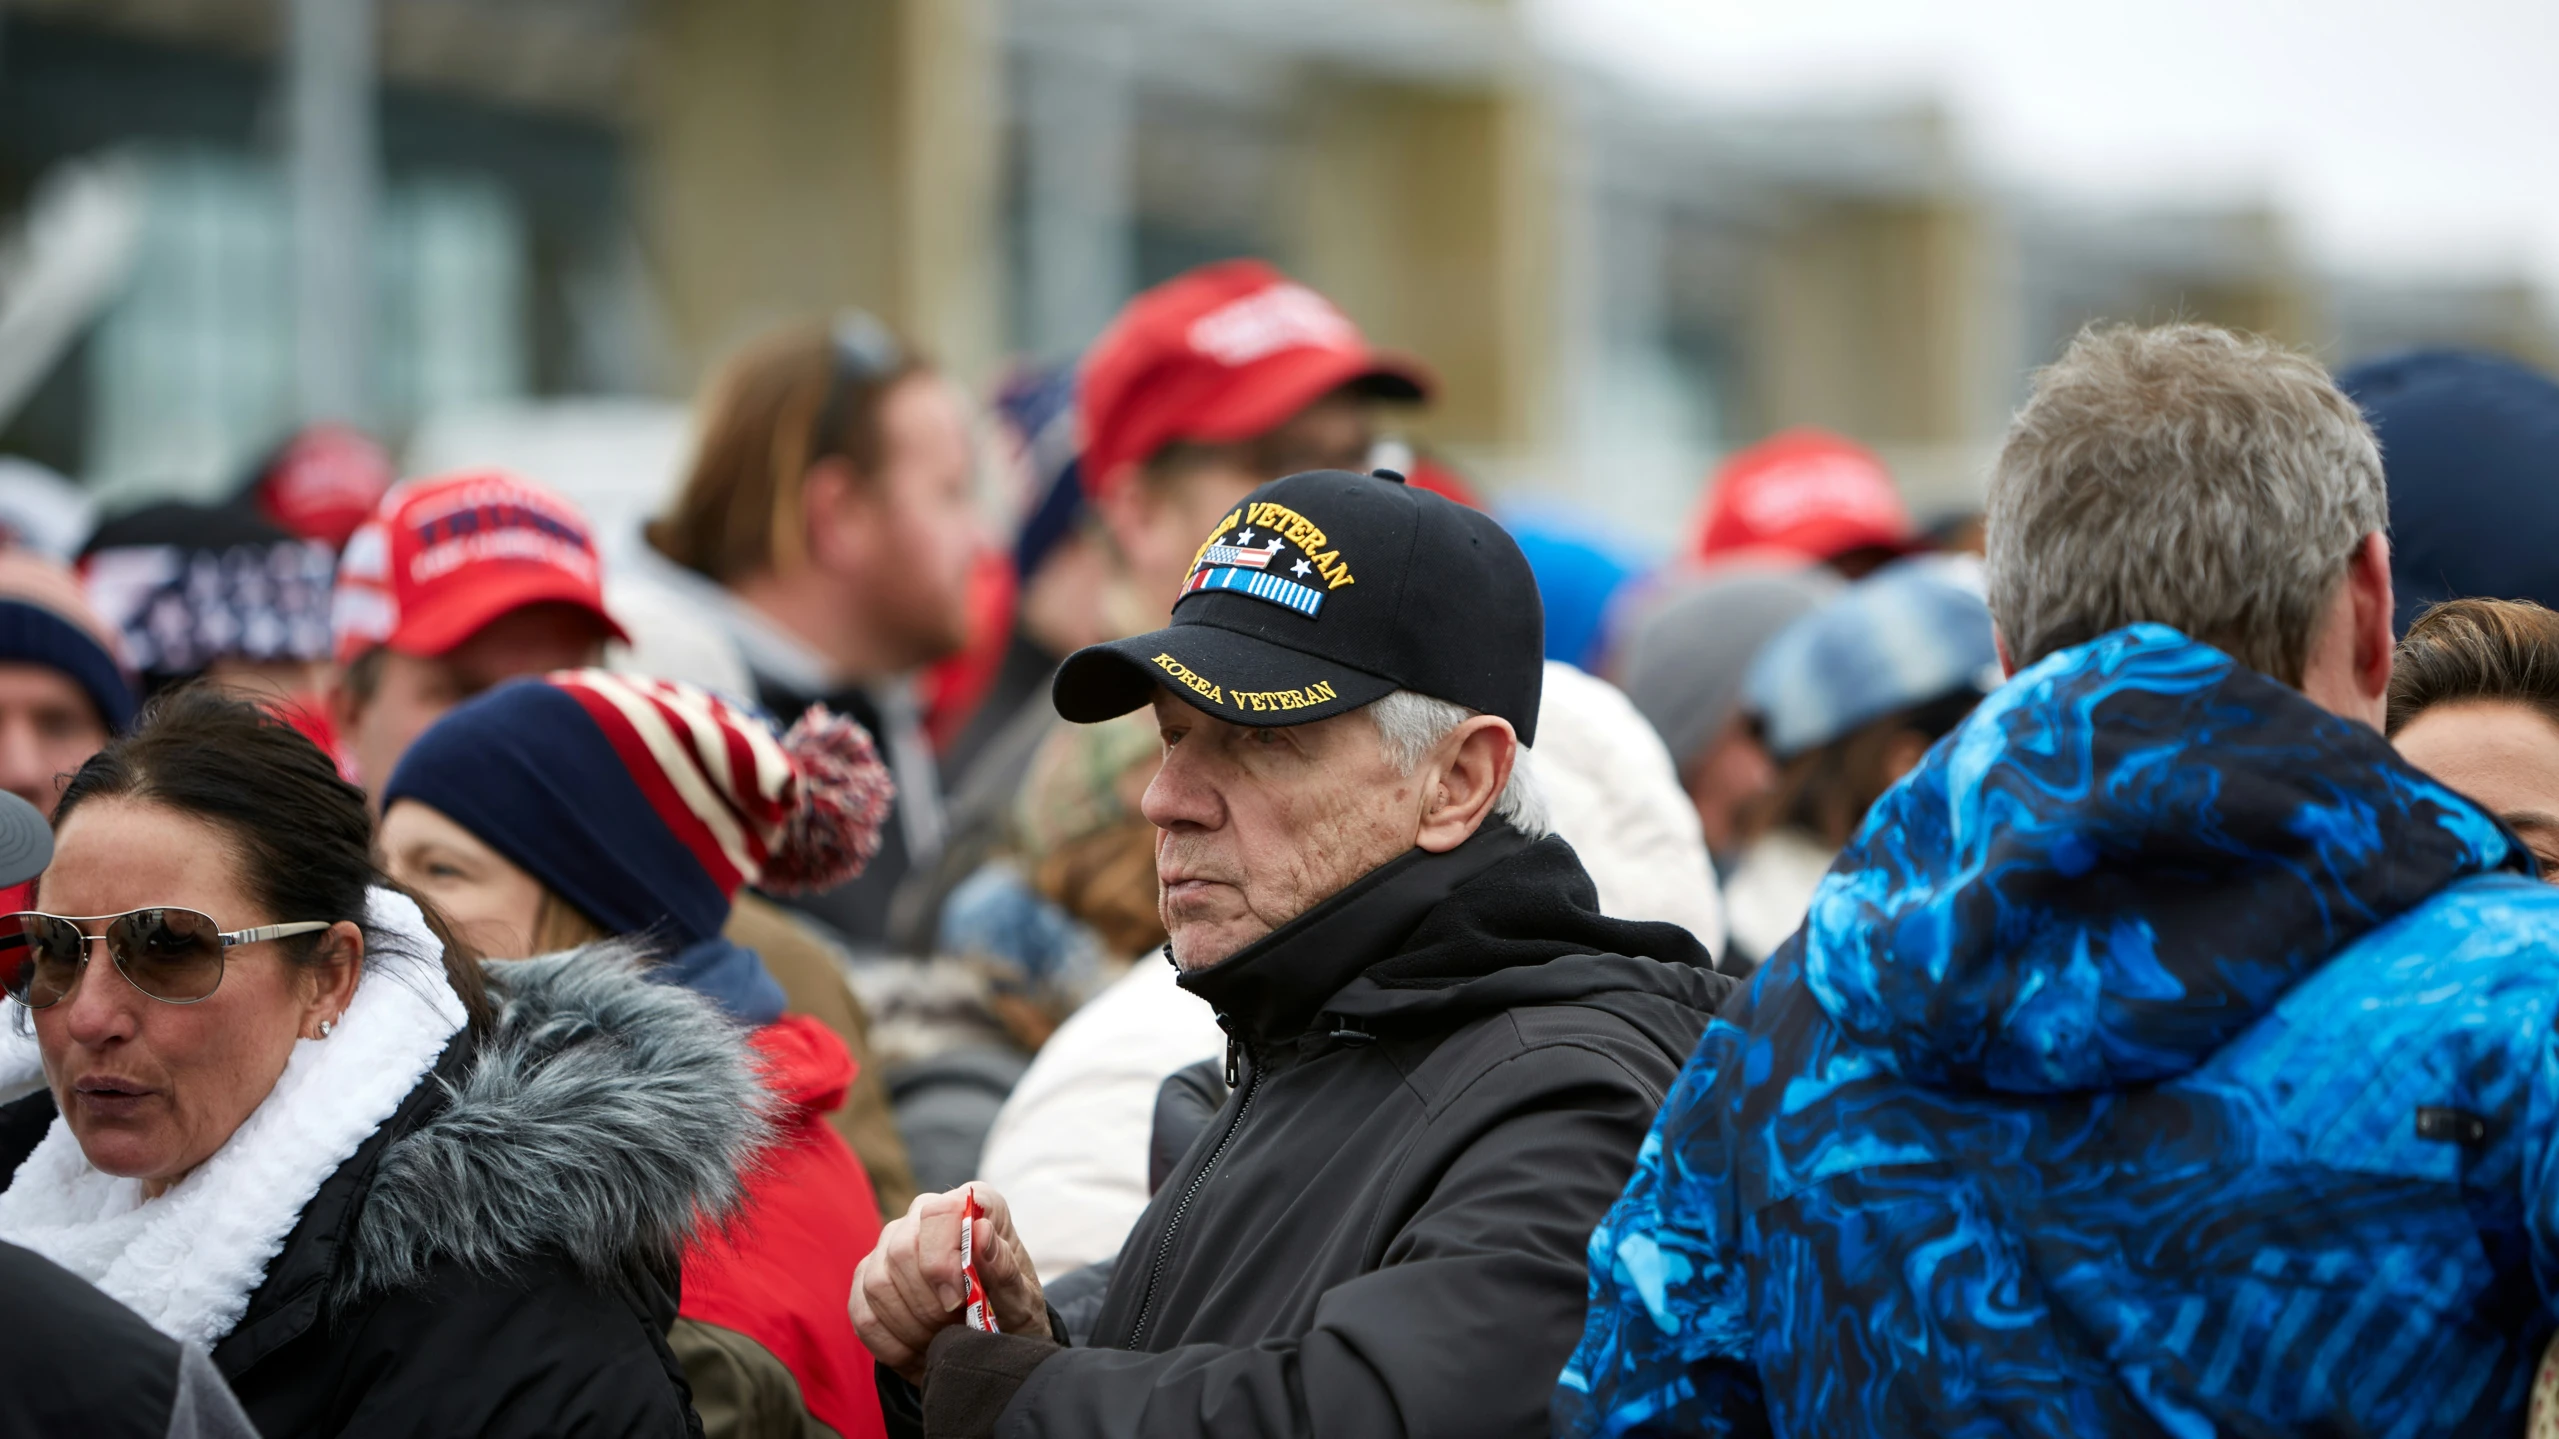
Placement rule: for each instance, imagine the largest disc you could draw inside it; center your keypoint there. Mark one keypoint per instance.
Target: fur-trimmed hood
(603, 1119)
(446, 1231)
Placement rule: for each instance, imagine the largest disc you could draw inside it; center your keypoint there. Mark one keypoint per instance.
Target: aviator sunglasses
(172, 955)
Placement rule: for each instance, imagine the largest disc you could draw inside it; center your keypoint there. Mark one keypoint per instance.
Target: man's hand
(910, 1289)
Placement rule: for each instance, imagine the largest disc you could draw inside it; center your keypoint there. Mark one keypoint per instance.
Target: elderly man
(1443, 1057)
(2166, 1056)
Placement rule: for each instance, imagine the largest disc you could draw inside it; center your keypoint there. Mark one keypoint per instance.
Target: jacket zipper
(1173, 1225)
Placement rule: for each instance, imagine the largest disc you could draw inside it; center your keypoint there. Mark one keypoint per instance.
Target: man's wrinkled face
(1257, 826)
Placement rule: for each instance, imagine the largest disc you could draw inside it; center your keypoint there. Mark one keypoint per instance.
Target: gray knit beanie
(1684, 661)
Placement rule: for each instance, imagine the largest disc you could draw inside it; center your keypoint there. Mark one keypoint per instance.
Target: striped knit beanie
(647, 803)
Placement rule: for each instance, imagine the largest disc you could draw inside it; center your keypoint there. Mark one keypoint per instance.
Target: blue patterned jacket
(2163, 1057)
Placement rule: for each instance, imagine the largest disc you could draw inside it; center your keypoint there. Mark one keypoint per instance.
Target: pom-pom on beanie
(647, 803)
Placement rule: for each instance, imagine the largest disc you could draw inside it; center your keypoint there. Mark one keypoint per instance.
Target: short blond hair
(2181, 475)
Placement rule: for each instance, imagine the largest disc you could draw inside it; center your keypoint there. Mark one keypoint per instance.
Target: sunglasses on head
(172, 955)
(861, 353)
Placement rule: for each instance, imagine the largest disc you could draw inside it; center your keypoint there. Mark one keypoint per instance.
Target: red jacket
(781, 1273)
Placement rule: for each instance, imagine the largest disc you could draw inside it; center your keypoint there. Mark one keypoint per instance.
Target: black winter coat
(1442, 1076)
(77, 1362)
(499, 1258)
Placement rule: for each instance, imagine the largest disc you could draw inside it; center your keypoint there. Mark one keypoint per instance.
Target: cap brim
(1239, 678)
(26, 841)
(1398, 379)
(1277, 389)
(439, 629)
(1828, 539)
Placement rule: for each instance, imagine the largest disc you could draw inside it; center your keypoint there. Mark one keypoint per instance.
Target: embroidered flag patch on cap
(1326, 591)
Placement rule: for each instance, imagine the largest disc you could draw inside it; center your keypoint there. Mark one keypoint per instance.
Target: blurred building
(559, 200)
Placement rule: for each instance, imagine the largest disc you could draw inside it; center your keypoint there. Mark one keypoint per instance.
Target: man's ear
(2376, 639)
(1999, 642)
(831, 514)
(1466, 777)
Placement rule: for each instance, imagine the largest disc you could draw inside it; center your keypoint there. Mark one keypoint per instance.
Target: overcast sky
(2412, 138)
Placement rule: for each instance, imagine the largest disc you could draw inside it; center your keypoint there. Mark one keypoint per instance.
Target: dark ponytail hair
(305, 836)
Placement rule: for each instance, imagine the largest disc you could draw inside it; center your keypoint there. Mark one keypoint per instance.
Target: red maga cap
(443, 557)
(323, 483)
(1221, 354)
(1806, 492)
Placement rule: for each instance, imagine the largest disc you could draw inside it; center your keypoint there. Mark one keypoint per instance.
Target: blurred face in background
(1158, 517)
(906, 540)
(1724, 780)
(2504, 756)
(381, 710)
(491, 904)
(48, 728)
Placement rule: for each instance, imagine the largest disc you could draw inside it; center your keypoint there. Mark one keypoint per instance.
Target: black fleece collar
(1498, 921)
(1275, 987)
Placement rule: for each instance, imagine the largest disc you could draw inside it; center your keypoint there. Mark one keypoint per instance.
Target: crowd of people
(1334, 960)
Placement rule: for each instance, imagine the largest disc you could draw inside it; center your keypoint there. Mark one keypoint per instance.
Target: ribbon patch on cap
(1272, 553)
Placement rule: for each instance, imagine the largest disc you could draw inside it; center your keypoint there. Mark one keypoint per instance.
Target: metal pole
(1079, 113)
(332, 165)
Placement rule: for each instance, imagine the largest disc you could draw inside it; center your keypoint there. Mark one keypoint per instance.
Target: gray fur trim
(602, 1120)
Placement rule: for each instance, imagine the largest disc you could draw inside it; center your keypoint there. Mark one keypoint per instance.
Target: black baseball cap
(1326, 591)
(26, 841)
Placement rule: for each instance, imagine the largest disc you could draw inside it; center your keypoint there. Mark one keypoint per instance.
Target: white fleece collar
(21, 1063)
(189, 1260)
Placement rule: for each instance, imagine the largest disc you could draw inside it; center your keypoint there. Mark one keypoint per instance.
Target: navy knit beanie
(645, 803)
(46, 620)
(2470, 451)
(32, 634)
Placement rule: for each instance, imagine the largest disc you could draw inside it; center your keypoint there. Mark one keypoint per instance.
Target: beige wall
(1427, 215)
(798, 156)
(1880, 319)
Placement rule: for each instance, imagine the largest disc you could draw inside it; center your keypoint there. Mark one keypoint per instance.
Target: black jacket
(77, 1362)
(499, 1258)
(1442, 1076)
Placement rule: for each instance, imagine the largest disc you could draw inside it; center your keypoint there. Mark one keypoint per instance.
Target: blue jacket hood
(2116, 864)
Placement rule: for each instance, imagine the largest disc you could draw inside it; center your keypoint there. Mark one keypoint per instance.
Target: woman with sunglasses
(288, 1117)
(586, 805)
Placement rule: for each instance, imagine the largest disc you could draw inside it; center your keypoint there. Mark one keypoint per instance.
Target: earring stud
(325, 1026)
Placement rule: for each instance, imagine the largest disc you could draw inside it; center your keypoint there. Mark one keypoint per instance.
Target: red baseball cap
(324, 482)
(1805, 492)
(443, 557)
(1223, 353)
(1429, 473)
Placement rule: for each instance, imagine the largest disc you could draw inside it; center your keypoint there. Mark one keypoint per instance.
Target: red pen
(978, 1313)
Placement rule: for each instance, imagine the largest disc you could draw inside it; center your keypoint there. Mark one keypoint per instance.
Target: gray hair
(2182, 475)
(1410, 725)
